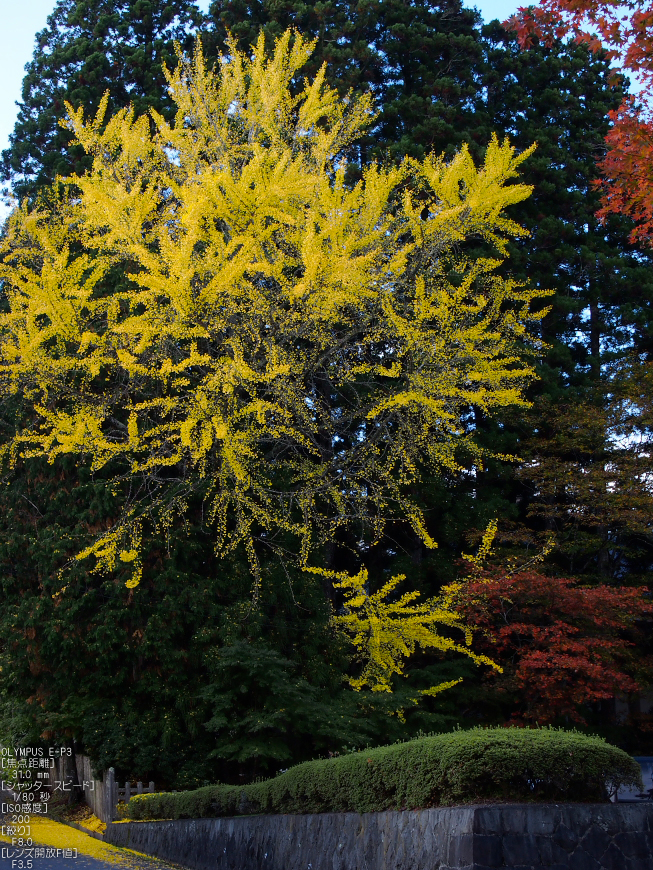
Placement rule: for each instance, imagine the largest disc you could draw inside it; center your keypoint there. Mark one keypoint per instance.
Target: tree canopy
(420, 60)
(90, 46)
(623, 31)
(293, 349)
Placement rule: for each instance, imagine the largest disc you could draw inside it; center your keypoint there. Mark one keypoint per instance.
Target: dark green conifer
(87, 48)
(560, 97)
(420, 59)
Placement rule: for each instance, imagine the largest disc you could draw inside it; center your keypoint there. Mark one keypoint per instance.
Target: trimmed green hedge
(506, 764)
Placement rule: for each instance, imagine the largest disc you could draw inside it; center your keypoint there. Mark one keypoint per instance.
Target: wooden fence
(102, 796)
(115, 793)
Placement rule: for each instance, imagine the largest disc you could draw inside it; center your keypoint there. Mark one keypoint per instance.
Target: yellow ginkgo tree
(216, 309)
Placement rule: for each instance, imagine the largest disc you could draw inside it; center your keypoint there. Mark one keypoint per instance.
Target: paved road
(59, 841)
(82, 862)
(60, 847)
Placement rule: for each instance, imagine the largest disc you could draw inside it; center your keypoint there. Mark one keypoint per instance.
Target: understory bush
(483, 764)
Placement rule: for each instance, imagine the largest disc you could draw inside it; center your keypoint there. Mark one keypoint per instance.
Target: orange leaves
(536, 23)
(628, 170)
(600, 24)
(628, 38)
(563, 645)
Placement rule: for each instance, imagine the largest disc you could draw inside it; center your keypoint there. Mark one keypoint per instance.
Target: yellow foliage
(452, 594)
(215, 307)
(386, 632)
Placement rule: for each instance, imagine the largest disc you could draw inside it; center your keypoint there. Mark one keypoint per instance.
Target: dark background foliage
(187, 679)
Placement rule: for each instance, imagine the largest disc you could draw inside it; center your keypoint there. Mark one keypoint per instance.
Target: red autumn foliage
(628, 171)
(561, 645)
(625, 31)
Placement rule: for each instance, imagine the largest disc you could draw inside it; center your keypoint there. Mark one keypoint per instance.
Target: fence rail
(102, 796)
(124, 793)
(115, 793)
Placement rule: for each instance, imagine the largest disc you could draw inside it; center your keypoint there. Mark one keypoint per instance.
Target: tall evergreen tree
(87, 48)
(560, 97)
(420, 59)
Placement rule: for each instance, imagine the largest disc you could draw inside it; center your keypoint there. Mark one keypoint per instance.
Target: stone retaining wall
(498, 837)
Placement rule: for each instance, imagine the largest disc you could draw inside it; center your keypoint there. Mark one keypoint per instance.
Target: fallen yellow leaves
(47, 832)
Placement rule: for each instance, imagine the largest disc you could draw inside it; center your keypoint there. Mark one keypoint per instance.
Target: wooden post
(110, 795)
(127, 792)
(139, 788)
(151, 788)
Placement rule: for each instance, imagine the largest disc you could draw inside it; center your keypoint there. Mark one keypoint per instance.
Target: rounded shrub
(479, 765)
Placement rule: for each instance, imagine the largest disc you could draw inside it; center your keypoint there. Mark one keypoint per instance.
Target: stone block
(487, 850)
(515, 821)
(633, 845)
(595, 841)
(580, 860)
(551, 853)
(520, 849)
(566, 838)
(542, 819)
(614, 859)
(490, 820)
(461, 850)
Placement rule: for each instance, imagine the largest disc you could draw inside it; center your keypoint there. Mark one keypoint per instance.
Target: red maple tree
(625, 31)
(562, 645)
(628, 170)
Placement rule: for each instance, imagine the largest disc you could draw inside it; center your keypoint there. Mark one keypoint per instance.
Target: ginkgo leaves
(385, 632)
(215, 309)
